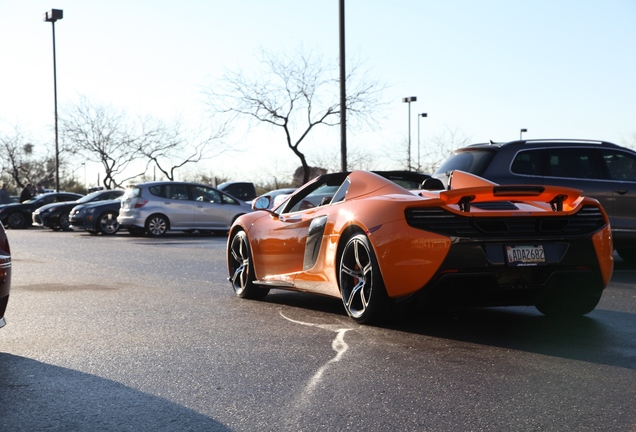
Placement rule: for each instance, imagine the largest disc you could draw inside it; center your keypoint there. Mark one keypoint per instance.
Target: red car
(363, 238)
(5, 273)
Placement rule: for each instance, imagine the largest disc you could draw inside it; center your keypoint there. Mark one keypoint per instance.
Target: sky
(481, 70)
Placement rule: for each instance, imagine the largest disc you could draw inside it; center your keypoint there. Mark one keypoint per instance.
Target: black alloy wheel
(64, 223)
(107, 223)
(241, 268)
(363, 292)
(16, 220)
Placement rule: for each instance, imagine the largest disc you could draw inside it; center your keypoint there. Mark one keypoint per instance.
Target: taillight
(140, 203)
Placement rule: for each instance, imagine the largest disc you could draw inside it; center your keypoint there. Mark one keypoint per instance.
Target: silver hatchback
(154, 208)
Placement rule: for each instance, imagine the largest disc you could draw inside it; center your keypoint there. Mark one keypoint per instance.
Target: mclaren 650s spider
(363, 238)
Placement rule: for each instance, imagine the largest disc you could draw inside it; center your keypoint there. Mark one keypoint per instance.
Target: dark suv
(602, 170)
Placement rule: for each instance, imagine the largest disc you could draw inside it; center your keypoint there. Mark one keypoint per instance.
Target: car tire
(157, 225)
(107, 223)
(561, 306)
(241, 268)
(363, 293)
(16, 220)
(64, 223)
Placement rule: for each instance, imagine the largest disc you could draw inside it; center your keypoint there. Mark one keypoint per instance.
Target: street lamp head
(524, 130)
(53, 15)
(409, 99)
(424, 115)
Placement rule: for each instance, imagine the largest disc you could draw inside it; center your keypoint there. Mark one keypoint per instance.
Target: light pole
(85, 186)
(343, 92)
(418, 138)
(521, 131)
(52, 16)
(409, 100)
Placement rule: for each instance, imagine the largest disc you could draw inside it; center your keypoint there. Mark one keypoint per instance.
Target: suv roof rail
(564, 141)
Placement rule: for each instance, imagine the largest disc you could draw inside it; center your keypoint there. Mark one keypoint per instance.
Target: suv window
(474, 162)
(572, 163)
(528, 163)
(620, 165)
(576, 163)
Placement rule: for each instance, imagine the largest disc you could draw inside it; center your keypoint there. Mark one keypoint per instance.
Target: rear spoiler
(467, 188)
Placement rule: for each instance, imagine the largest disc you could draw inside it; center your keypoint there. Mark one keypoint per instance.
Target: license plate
(525, 255)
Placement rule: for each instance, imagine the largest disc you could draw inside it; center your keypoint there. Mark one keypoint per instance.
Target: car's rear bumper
(477, 274)
(130, 221)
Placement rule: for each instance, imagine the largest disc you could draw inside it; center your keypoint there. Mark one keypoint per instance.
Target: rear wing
(467, 188)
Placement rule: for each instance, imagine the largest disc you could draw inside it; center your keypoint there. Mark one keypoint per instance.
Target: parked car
(277, 196)
(370, 242)
(5, 274)
(154, 208)
(18, 215)
(602, 170)
(97, 217)
(245, 191)
(56, 215)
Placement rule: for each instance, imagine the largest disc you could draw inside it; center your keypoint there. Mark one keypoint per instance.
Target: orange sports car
(365, 239)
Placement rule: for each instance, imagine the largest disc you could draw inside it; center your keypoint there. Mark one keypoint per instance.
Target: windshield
(88, 198)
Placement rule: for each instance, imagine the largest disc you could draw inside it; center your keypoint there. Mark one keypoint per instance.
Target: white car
(156, 207)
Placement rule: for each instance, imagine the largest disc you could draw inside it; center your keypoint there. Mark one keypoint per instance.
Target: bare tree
(176, 147)
(19, 162)
(103, 135)
(295, 94)
(356, 159)
(440, 147)
(127, 147)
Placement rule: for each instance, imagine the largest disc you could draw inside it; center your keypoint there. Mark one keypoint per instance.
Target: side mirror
(261, 203)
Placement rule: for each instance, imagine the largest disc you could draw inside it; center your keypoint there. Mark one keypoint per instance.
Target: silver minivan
(154, 208)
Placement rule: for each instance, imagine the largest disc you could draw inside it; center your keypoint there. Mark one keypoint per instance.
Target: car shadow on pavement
(603, 336)
(307, 301)
(40, 396)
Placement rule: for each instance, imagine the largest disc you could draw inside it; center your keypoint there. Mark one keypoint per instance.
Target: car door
(283, 240)
(621, 173)
(177, 205)
(279, 253)
(209, 208)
